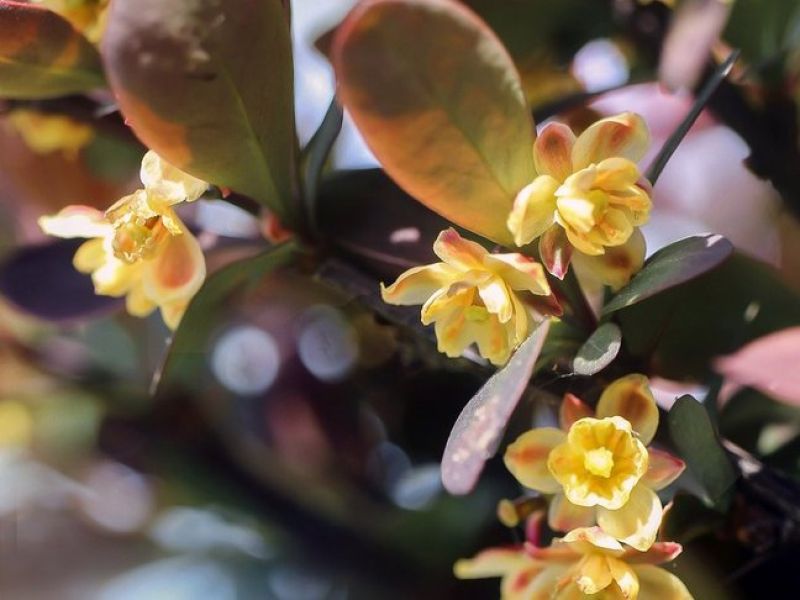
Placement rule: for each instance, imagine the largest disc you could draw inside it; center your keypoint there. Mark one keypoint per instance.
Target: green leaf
(208, 85)
(679, 332)
(439, 102)
(316, 155)
(697, 443)
(42, 56)
(187, 352)
(598, 351)
(671, 266)
(481, 424)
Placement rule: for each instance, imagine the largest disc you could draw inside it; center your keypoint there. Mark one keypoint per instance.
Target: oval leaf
(43, 56)
(41, 280)
(598, 351)
(481, 424)
(438, 100)
(697, 443)
(208, 85)
(768, 364)
(671, 266)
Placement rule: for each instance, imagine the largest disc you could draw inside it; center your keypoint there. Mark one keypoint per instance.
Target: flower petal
(663, 468)
(555, 251)
(495, 340)
(594, 574)
(636, 523)
(76, 222)
(630, 398)
(625, 578)
(625, 135)
(416, 285)
(655, 582)
(532, 584)
(493, 562)
(166, 184)
(572, 409)
(519, 272)
(176, 272)
(526, 458)
(660, 552)
(457, 252)
(533, 210)
(90, 256)
(591, 539)
(172, 313)
(552, 151)
(563, 515)
(137, 303)
(615, 267)
(496, 298)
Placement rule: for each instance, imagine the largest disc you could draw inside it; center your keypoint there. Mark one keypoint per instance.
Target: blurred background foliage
(291, 448)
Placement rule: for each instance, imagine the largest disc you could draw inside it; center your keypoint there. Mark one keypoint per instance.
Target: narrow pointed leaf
(698, 444)
(439, 102)
(598, 351)
(671, 266)
(481, 424)
(43, 56)
(316, 155)
(208, 85)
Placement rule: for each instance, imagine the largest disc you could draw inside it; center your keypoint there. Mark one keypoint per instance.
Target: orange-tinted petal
(593, 574)
(493, 562)
(416, 285)
(624, 135)
(663, 468)
(176, 272)
(659, 552)
(637, 522)
(137, 303)
(563, 515)
(630, 398)
(572, 409)
(457, 252)
(552, 151)
(555, 251)
(615, 267)
(655, 582)
(527, 457)
(519, 272)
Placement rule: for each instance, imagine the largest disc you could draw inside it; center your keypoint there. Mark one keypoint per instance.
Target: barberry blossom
(473, 296)
(45, 132)
(140, 248)
(586, 563)
(590, 187)
(598, 466)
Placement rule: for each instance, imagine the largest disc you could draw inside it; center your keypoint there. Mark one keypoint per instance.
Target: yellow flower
(589, 186)
(87, 16)
(471, 296)
(45, 133)
(598, 466)
(140, 248)
(583, 563)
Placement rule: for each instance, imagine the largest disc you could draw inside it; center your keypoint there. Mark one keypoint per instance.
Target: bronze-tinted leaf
(42, 56)
(208, 85)
(439, 102)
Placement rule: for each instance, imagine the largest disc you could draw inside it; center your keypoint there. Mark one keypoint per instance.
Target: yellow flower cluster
(45, 133)
(601, 477)
(140, 248)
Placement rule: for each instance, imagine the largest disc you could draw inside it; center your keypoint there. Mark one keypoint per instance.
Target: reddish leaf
(42, 56)
(438, 100)
(481, 424)
(769, 364)
(208, 85)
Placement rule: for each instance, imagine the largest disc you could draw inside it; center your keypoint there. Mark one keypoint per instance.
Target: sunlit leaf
(187, 353)
(438, 100)
(769, 364)
(697, 443)
(599, 350)
(481, 424)
(671, 266)
(208, 85)
(41, 281)
(42, 56)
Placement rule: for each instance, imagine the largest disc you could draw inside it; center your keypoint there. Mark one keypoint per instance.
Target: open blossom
(45, 133)
(472, 296)
(589, 186)
(140, 248)
(586, 563)
(598, 465)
